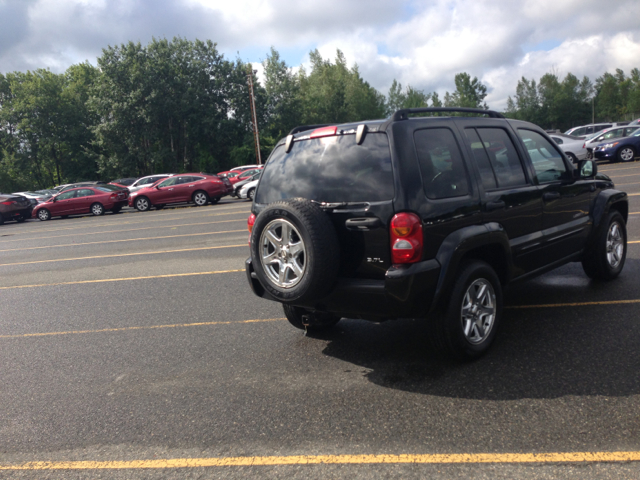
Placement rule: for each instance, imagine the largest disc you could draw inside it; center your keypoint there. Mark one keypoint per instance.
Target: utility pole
(254, 117)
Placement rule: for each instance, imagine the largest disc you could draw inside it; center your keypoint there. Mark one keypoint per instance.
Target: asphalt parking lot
(132, 347)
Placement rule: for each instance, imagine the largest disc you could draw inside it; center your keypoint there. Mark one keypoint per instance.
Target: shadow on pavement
(539, 352)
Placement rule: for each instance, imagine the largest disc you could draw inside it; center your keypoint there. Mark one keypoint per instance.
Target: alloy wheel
(615, 245)
(626, 154)
(282, 253)
(200, 199)
(478, 311)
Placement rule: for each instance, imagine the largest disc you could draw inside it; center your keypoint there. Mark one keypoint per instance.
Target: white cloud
(420, 43)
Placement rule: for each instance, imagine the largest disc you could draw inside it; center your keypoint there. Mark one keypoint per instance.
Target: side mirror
(53, 199)
(587, 169)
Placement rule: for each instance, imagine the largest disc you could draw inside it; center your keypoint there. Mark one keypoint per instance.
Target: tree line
(179, 105)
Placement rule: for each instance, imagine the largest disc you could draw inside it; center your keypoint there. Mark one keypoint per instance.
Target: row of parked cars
(152, 191)
(615, 142)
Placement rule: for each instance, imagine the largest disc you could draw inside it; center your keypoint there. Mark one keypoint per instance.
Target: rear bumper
(406, 292)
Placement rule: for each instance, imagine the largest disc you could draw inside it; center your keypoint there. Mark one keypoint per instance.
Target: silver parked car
(147, 181)
(248, 190)
(573, 147)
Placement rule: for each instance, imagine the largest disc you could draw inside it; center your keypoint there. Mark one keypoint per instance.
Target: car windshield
(109, 188)
(330, 169)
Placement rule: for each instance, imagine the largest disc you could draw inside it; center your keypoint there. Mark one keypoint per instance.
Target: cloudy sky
(423, 43)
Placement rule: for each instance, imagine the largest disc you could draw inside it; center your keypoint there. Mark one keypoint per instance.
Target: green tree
(469, 92)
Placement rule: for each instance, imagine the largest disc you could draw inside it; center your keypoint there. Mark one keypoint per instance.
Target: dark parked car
(425, 217)
(620, 149)
(199, 188)
(95, 199)
(14, 207)
(124, 182)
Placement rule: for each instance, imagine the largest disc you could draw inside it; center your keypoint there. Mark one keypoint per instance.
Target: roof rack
(403, 114)
(304, 128)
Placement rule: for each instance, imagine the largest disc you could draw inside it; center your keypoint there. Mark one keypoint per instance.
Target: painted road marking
(32, 230)
(122, 231)
(124, 240)
(577, 304)
(122, 255)
(618, 169)
(565, 457)
(107, 280)
(621, 176)
(147, 327)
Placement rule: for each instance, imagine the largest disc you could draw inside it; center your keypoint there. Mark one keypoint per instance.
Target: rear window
(330, 169)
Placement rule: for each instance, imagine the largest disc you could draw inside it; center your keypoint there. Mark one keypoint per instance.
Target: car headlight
(609, 145)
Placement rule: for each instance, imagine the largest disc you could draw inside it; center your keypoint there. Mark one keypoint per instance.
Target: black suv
(425, 217)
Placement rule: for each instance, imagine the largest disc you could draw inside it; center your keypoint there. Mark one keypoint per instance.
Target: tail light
(250, 221)
(406, 238)
(584, 145)
(9, 202)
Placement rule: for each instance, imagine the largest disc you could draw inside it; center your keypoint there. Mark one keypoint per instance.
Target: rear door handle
(363, 224)
(551, 196)
(495, 206)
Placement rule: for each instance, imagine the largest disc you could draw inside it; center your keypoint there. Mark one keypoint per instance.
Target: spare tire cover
(295, 251)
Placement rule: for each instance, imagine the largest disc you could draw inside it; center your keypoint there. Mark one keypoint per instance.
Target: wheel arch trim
(463, 243)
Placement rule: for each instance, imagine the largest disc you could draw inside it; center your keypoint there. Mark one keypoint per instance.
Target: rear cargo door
(352, 183)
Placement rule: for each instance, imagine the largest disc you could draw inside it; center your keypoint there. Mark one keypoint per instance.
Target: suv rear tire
(475, 306)
(295, 251)
(605, 259)
(319, 321)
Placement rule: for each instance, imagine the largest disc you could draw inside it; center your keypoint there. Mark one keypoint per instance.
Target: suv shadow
(539, 353)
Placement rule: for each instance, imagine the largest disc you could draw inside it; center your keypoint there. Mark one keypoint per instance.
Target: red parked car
(244, 175)
(94, 200)
(199, 188)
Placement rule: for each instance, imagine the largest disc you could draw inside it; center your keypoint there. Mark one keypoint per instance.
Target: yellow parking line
(122, 255)
(107, 280)
(621, 176)
(123, 240)
(576, 304)
(122, 231)
(146, 327)
(455, 458)
(618, 169)
(34, 230)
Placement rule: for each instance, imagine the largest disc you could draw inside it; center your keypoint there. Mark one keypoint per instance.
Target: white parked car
(244, 167)
(248, 190)
(573, 147)
(147, 181)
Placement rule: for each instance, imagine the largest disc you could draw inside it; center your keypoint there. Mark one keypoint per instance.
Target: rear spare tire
(295, 251)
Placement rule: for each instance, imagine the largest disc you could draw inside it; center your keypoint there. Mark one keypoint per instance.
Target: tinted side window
(503, 157)
(547, 161)
(66, 195)
(168, 182)
(487, 175)
(558, 140)
(85, 192)
(443, 171)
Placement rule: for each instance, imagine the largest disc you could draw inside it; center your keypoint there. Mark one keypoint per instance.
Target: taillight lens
(323, 132)
(406, 238)
(250, 221)
(9, 202)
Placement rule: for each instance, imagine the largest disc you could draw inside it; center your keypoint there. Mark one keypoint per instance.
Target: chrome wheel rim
(251, 194)
(282, 253)
(142, 204)
(626, 154)
(200, 199)
(43, 215)
(97, 209)
(478, 311)
(615, 245)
